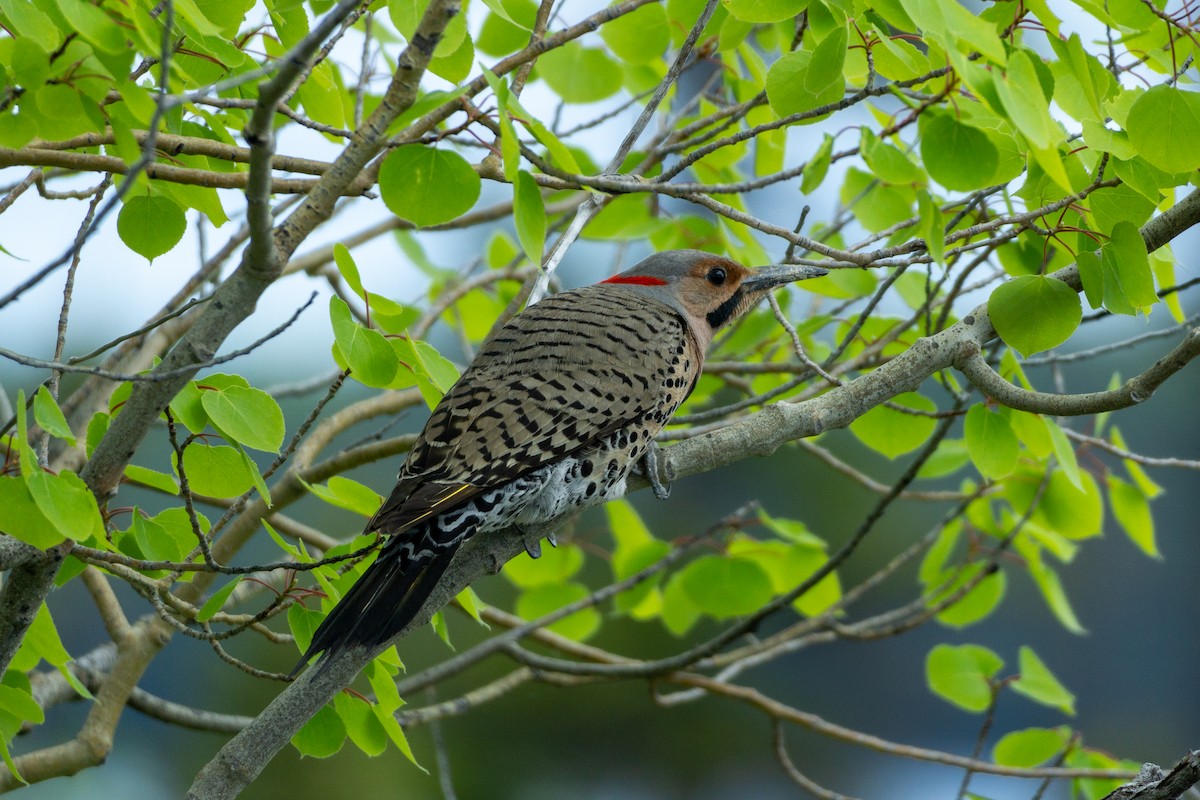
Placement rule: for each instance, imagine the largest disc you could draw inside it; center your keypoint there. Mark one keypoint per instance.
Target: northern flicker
(560, 404)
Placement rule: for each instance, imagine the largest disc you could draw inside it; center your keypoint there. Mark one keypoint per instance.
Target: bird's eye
(716, 276)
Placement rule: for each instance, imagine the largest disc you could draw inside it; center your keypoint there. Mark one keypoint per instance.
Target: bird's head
(708, 290)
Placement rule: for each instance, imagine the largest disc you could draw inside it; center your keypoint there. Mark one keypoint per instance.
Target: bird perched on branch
(560, 404)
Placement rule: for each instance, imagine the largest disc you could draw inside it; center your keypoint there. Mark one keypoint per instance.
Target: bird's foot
(533, 542)
(649, 468)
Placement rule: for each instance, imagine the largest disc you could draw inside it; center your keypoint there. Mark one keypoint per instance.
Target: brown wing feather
(555, 379)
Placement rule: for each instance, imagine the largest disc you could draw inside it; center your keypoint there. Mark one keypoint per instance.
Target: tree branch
(1136, 390)
(31, 156)
(1151, 784)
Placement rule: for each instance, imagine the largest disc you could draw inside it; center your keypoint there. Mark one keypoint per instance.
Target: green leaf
(26, 61)
(962, 675)
(559, 152)
(50, 417)
(406, 16)
(26, 19)
(8, 760)
(1115, 204)
(245, 415)
(303, 622)
(470, 603)
(260, 484)
(580, 74)
(20, 704)
(420, 362)
(991, 442)
(895, 433)
(725, 587)
(348, 494)
(518, 13)
(958, 156)
(636, 548)
(454, 65)
(153, 478)
(817, 166)
(529, 214)
(950, 456)
(1162, 264)
(1091, 275)
(678, 613)
(1064, 453)
(801, 80)
(43, 640)
(640, 37)
(322, 96)
(362, 724)
(1132, 512)
(1074, 512)
(217, 601)
(1031, 747)
(976, 604)
(643, 601)
(955, 28)
(887, 161)
(792, 531)
(510, 145)
(1164, 128)
(391, 316)
(427, 186)
(187, 407)
(158, 541)
(765, 10)
(556, 565)
(67, 503)
(1032, 431)
(1143, 481)
(388, 701)
(21, 518)
(1050, 585)
(1096, 788)
(789, 565)
(1128, 280)
(216, 470)
(321, 736)
(367, 353)
(1039, 684)
(349, 270)
(537, 601)
(151, 225)
(1027, 107)
(498, 36)
(933, 564)
(1033, 313)
(1081, 83)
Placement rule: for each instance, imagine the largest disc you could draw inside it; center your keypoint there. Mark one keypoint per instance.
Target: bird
(555, 411)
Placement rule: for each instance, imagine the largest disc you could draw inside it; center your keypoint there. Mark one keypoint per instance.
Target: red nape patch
(637, 280)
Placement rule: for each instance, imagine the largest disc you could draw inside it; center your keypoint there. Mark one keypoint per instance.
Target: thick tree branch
(27, 584)
(1152, 784)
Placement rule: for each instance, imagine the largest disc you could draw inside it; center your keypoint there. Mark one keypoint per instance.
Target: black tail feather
(377, 607)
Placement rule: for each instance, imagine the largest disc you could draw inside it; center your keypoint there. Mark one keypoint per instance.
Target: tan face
(712, 290)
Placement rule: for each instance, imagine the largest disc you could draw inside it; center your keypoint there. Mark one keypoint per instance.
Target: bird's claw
(650, 468)
(533, 543)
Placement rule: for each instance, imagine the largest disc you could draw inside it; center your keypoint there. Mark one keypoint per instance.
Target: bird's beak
(765, 278)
